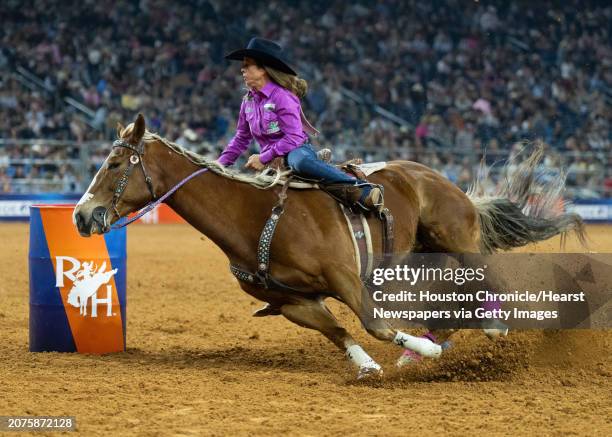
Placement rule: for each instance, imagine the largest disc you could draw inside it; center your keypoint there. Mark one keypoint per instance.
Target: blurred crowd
(458, 77)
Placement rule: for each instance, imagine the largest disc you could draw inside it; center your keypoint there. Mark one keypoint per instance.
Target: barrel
(77, 285)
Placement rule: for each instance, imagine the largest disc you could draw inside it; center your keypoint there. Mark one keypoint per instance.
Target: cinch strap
(262, 277)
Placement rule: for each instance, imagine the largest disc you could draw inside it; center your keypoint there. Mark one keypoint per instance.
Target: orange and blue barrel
(77, 285)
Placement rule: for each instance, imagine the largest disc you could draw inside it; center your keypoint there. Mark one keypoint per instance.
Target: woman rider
(271, 113)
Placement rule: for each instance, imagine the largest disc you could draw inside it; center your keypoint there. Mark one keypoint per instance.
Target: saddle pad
(372, 167)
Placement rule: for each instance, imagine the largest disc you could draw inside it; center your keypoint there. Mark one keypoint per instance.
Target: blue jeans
(304, 162)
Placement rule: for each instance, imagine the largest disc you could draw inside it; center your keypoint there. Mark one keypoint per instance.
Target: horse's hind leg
(451, 225)
(348, 286)
(314, 314)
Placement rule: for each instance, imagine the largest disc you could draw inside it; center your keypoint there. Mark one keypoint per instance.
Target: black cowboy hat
(265, 51)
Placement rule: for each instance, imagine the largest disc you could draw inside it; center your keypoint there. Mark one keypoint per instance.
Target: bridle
(135, 159)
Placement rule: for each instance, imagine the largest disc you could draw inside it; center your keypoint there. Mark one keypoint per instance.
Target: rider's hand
(255, 163)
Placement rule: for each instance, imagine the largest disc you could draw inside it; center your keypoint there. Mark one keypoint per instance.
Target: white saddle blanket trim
(372, 167)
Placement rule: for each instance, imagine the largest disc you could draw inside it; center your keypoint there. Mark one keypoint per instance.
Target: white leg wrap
(358, 356)
(367, 366)
(423, 346)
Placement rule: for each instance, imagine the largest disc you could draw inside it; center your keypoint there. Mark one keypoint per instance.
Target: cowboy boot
(366, 196)
(372, 201)
(346, 194)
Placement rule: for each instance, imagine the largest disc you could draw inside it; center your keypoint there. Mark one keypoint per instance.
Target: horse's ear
(139, 129)
(120, 129)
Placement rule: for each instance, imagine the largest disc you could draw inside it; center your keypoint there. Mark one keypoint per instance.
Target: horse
(312, 251)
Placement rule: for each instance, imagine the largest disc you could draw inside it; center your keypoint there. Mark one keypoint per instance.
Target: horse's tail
(525, 210)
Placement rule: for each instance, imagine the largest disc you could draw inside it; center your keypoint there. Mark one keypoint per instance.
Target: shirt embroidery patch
(273, 127)
(270, 106)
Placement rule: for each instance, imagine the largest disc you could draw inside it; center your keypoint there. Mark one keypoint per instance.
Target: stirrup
(374, 201)
(350, 195)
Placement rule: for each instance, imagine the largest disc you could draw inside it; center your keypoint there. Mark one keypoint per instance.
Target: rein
(135, 159)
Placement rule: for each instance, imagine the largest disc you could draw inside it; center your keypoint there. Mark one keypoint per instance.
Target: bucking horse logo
(86, 284)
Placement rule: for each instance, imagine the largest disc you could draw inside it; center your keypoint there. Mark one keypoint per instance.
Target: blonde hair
(295, 84)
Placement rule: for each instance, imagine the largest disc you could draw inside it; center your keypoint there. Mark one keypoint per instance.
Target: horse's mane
(264, 180)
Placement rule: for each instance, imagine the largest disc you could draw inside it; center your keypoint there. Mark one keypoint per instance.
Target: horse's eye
(113, 165)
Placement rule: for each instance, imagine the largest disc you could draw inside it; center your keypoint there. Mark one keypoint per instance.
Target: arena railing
(68, 166)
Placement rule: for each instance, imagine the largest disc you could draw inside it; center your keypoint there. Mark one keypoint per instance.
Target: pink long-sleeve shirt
(271, 116)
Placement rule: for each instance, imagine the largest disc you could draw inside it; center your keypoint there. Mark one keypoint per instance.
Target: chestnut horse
(312, 249)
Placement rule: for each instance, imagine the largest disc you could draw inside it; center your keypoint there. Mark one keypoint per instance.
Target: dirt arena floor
(198, 364)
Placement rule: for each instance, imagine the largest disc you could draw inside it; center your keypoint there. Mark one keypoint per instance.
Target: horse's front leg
(348, 286)
(314, 314)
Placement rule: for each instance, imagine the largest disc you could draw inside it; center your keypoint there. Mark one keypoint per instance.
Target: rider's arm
(240, 142)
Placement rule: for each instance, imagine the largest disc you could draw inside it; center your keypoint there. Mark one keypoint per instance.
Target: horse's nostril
(98, 215)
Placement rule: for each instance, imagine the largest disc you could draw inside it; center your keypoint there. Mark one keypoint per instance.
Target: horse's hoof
(494, 333)
(446, 345)
(370, 369)
(408, 357)
(496, 329)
